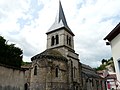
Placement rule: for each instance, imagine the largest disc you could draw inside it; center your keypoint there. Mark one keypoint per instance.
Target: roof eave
(113, 33)
(61, 29)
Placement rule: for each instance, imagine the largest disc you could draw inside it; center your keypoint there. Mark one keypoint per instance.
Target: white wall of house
(112, 84)
(115, 46)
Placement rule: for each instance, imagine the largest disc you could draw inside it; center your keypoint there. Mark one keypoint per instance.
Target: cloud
(32, 13)
(94, 22)
(10, 11)
(25, 22)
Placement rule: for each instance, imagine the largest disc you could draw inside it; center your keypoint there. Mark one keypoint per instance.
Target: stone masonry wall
(45, 78)
(11, 78)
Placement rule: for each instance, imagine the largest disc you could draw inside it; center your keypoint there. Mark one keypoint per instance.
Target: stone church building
(59, 67)
(56, 68)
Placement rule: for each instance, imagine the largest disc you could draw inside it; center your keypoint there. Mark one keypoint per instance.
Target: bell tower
(60, 35)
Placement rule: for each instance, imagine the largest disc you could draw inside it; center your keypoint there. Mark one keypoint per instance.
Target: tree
(9, 54)
(104, 61)
(103, 65)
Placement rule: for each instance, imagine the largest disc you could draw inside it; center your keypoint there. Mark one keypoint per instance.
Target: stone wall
(45, 79)
(11, 78)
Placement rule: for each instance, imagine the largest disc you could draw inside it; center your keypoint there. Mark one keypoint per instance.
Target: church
(59, 67)
(56, 68)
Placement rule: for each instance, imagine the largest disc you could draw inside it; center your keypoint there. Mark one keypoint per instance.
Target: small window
(119, 64)
(70, 41)
(74, 72)
(35, 70)
(52, 41)
(57, 39)
(92, 83)
(76, 88)
(71, 68)
(26, 86)
(56, 72)
(67, 39)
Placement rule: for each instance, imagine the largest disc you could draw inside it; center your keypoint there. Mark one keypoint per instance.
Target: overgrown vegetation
(9, 54)
(25, 63)
(105, 63)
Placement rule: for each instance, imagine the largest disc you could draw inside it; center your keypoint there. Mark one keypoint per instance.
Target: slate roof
(89, 72)
(60, 22)
(50, 54)
(113, 33)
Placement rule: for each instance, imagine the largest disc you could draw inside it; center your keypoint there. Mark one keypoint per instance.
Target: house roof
(89, 72)
(60, 22)
(111, 76)
(113, 33)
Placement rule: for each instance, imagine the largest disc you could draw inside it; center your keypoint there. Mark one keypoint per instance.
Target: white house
(114, 41)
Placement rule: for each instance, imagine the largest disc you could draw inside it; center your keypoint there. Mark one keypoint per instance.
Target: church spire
(61, 16)
(60, 21)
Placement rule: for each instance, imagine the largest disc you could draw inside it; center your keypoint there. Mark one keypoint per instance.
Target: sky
(25, 22)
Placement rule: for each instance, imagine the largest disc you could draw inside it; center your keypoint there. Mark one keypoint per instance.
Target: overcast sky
(25, 22)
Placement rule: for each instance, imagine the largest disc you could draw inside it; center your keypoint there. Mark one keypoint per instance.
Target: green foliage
(101, 67)
(9, 54)
(25, 63)
(106, 63)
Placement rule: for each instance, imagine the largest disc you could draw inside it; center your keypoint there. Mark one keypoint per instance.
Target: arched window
(56, 71)
(76, 88)
(35, 70)
(101, 84)
(57, 39)
(67, 39)
(74, 72)
(70, 41)
(26, 86)
(92, 82)
(118, 64)
(52, 41)
(72, 68)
